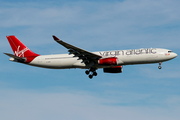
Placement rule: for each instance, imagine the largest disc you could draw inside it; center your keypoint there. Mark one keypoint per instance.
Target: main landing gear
(94, 73)
(159, 65)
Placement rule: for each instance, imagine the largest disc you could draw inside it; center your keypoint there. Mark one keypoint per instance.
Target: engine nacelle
(117, 69)
(108, 61)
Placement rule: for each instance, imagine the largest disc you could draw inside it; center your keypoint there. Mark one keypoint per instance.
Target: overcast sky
(141, 92)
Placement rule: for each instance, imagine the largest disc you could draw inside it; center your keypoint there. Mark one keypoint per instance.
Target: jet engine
(108, 61)
(117, 69)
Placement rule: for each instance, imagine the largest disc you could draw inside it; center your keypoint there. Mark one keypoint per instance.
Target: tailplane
(20, 50)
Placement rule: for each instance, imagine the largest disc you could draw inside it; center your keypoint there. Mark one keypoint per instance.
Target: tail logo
(20, 53)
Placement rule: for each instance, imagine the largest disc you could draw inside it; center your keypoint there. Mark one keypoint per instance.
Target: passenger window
(169, 51)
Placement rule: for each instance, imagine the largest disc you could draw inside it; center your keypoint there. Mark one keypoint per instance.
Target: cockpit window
(170, 51)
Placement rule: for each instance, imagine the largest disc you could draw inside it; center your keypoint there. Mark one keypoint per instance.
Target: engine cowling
(117, 69)
(108, 61)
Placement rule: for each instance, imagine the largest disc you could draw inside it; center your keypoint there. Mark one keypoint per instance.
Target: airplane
(109, 61)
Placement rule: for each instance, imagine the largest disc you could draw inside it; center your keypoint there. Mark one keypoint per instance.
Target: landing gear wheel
(91, 72)
(90, 76)
(159, 67)
(95, 73)
(87, 72)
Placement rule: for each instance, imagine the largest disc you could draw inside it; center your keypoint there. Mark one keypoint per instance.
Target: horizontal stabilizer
(16, 57)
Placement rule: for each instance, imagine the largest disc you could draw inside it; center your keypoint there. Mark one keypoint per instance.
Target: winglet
(55, 38)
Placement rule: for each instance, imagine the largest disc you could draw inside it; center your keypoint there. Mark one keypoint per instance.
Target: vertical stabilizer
(20, 50)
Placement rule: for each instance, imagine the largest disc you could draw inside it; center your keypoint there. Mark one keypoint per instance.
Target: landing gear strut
(159, 65)
(93, 70)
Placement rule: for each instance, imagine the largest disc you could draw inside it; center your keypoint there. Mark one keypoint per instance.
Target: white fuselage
(125, 57)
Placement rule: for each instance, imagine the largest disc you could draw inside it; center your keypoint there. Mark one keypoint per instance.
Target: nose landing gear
(93, 70)
(159, 65)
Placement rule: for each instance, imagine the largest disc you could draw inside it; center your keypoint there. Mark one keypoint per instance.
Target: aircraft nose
(174, 55)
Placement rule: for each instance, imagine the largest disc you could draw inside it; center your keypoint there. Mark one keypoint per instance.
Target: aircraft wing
(86, 56)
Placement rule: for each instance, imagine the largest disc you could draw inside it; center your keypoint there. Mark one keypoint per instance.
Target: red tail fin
(20, 49)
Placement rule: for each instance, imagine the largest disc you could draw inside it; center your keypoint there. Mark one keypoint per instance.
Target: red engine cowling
(108, 61)
(117, 69)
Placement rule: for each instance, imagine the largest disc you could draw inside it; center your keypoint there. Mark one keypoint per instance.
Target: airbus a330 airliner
(110, 61)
